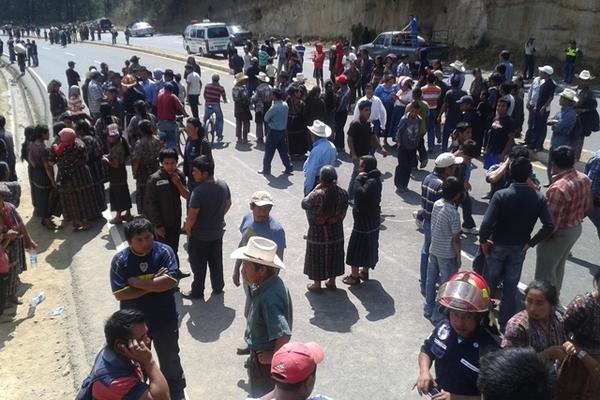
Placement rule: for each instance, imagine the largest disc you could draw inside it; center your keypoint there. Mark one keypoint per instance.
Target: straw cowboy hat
(458, 65)
(240, 76)
(128, 81)
(585, 75)
(299, 78)
(569, 94)
(261, 251)
(262, 77)
(320, 129)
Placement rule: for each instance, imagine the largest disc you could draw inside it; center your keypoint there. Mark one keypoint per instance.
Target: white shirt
(194, 83)
(534, 91)
(404, 97)
(377, 110)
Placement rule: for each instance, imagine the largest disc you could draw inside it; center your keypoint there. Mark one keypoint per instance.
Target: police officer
(571, 54)
(457, 342)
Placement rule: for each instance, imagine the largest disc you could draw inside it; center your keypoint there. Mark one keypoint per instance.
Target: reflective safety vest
(572, 52)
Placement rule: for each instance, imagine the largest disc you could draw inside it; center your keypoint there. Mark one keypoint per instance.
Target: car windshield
(220, 32)
(235, 28)
(143, 25)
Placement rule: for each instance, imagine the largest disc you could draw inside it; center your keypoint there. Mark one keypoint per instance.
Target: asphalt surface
(371, 334)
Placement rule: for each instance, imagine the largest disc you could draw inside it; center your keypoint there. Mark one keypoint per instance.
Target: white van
(206, 38)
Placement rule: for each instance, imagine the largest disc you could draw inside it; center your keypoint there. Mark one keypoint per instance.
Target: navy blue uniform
(457, 358)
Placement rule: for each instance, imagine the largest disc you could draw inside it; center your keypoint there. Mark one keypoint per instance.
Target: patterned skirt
(363, 246)
(40, 191)
(99, 176)
(324, 257)
(575, 381)
(118, 191)
(16, 265)
(78, 196)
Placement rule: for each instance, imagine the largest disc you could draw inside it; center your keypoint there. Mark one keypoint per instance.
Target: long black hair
(328, 178)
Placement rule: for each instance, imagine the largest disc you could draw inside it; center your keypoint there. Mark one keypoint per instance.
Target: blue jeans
(208, 110)
(595, 218)
(439, 270)
(505, 263)
(276, 140)
(569, 69)
(167, 132)
(539, 130)
(431, 129)
(425, 253)
(395, 118)
(467, 207)
(448, 129)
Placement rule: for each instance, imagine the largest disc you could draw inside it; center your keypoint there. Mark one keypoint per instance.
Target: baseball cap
(546, 69)
(446, 160)
(294, 362)
(169, 86)
(438, 73)
(466, 100)
(342, 79)
(261, 198)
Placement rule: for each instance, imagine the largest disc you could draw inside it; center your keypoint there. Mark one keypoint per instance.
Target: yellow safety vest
(572, 52)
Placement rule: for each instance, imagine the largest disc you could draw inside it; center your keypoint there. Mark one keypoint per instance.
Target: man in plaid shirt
(592, 170)
(569, 200)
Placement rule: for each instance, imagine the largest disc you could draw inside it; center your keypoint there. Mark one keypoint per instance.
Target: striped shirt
(431, 95)
(569, 198)
(431, 191)
(213, 93)
(445, 223)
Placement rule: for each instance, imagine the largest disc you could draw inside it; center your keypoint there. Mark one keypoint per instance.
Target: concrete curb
(542, 157)
(199, 60)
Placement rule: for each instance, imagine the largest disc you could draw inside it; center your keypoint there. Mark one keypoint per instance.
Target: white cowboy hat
(546, 69)
(262, 77)
(569, 94)
(320, 129)
(299, 78)
(458, 65)
(585, 75)
(261, 251)
(240, 76)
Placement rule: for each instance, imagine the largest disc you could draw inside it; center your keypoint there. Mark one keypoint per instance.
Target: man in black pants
(162, 201)
(209, 203)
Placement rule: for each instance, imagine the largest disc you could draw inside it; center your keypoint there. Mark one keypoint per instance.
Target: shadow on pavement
(410, 197)
(334, 312)
(375, 299)
(208, 319)
(279, 182)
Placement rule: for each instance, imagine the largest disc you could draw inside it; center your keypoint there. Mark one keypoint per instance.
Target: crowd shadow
(72, 245)
(479, 207)
(410, 197)
(208, 319)
(333, 310)
(419, 175)
(379, 304)
(243, 147)
(278, 182)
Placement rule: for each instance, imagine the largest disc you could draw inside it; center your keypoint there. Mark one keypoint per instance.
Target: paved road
(372, 333)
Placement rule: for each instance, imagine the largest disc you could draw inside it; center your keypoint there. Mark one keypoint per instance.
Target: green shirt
(270, 315)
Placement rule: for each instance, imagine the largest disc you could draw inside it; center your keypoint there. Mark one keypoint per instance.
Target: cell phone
(433, 392)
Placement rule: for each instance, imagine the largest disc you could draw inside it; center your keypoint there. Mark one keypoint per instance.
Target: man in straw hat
(562, 123)
(262, 102)
(458, 72)
(269, 325)
(586, 111)
(323, 153)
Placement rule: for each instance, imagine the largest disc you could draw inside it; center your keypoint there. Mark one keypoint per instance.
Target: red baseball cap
(342, 79)
(294, 362)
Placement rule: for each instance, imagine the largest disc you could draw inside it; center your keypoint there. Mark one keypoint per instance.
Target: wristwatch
(582, 354)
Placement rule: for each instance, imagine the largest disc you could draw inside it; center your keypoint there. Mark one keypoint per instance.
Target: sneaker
(470, 231)
(289, 171)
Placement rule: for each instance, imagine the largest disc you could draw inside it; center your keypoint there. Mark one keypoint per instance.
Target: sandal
(350, 280)
(364, 275)
(313, 288)
(330, 286)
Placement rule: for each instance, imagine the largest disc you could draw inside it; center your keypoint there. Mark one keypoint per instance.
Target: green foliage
(53, 11)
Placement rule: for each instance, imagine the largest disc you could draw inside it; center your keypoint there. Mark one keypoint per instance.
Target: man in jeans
(444, 257)
(276, 119)
(168, 107)
(212, 103)
(209, 203)
(431, 191)
(505, 233)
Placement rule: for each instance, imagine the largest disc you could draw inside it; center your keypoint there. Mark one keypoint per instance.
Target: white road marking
(521, 286)
(69, 54)
(115, 235)
(46, 48)
(229, 122)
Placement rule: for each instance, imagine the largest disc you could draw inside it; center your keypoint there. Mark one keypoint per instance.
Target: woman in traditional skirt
(325, 209)
(76, 190)
(296, 126)
(579, 372)
(120, 200)
(94, 152)
(41, 176)
(15, 238)
(144, 160)
(363, 247)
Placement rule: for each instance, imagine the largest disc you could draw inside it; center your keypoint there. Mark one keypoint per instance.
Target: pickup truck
(399, 42)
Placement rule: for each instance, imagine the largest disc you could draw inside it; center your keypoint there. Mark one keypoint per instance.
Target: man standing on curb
(269, 325)
(143, 277)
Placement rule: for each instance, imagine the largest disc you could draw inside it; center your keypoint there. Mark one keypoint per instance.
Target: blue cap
(466, 100)
(169, 86)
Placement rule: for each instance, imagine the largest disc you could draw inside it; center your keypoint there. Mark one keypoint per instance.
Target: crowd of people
(130, 115)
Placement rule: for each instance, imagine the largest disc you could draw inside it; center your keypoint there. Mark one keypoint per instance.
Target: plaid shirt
(569, 198)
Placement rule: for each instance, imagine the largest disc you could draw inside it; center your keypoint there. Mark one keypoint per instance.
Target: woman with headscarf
(76, 190)
(58, 101)
(325, 208)
(41, 177)
(101, 126)
(363, 247)
(14, 238)
(94, 153)
(75, 101)
(120, 199)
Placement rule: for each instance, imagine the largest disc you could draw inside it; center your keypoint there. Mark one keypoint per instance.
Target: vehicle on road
(142, 29)
(104, 23)
(240, 34)
(206, 38)
(399, 42)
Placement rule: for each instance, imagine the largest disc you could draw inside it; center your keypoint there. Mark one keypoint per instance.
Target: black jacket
(162, 203)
